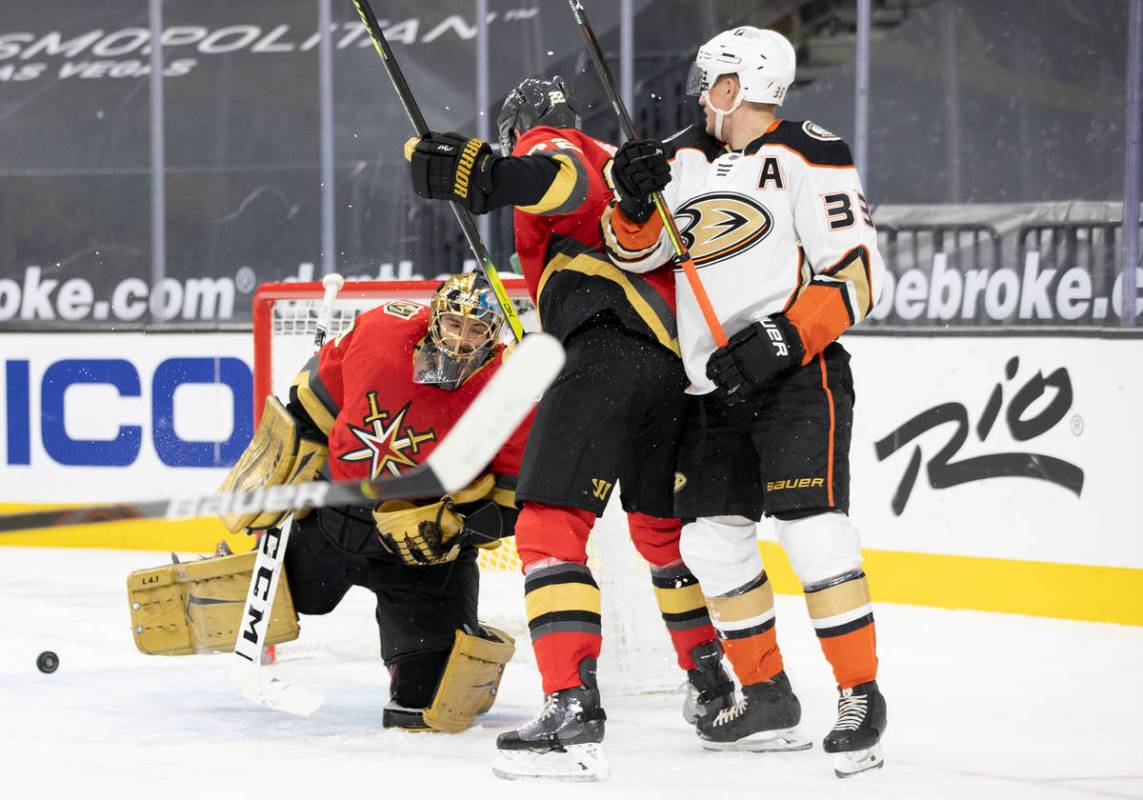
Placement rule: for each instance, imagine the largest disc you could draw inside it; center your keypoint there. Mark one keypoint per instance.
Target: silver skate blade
(846, 765)
(580, 763)
(779, 741)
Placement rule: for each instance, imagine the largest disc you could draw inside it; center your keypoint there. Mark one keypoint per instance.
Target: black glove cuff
(637, 209)
(789, 334)
(448, 166)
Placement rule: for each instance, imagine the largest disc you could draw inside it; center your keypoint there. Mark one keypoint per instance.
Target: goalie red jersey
(377, 419)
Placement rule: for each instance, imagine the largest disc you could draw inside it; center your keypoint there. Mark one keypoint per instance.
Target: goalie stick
(413, 111)
(246, 674)
(477, 436)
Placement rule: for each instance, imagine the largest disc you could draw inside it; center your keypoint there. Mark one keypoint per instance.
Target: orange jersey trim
(820, 314)
(824, 309)
(635, 236)
(829, 454)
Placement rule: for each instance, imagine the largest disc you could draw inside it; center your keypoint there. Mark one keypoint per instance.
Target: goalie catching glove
(448, 166)
(432, 534)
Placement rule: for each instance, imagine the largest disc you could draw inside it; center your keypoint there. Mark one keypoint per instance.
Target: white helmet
(763, 60)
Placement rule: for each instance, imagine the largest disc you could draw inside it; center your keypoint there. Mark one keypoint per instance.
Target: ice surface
(980, 706)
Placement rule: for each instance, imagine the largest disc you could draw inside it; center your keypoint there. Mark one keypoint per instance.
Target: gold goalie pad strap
(196, 607)
(471, 679)
(276, 455)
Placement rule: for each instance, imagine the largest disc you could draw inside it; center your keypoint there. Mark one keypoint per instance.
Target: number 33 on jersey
(782, 226)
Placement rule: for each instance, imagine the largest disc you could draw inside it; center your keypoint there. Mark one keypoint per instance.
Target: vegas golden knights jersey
(780, 227)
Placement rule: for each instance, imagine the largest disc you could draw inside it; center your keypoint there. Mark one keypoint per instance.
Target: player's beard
(434, 367)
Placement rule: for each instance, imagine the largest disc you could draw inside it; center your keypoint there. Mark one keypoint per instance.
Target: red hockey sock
(560, 595)
(677, 591)
(552, 532)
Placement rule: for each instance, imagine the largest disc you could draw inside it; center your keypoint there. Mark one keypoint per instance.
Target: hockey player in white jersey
(773, 215)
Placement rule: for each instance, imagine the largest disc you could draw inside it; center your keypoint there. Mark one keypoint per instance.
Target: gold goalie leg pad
(471, 679)
(196, 607)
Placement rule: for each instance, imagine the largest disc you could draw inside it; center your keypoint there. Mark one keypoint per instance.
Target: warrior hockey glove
(448, 166)
(753, 358)
(640, 169)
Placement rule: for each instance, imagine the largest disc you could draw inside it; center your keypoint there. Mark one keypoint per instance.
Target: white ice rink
(981, 706)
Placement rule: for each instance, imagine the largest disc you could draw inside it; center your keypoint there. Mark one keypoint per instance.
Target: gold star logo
(387, 446)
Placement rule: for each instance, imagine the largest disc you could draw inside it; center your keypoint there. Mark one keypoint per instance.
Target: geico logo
(794, 483)
(63, 446)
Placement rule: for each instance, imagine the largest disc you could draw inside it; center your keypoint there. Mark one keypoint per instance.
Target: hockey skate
(564, 743)
(764, 720)
(395, 715)
(709, 688)
(856, 736)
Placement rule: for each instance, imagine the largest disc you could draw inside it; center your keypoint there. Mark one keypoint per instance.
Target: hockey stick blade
(477, 436)
(274, 693)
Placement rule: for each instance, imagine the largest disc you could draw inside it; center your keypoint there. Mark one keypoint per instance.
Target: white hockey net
(637, 656)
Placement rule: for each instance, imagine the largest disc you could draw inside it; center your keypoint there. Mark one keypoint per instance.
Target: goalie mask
(535, 102)
(464, 326)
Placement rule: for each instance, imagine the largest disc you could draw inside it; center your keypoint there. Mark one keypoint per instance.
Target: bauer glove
(753, 358)
(640, 169)
(448, 166)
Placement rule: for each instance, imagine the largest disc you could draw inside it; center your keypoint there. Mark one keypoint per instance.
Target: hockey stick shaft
(246, 667)
(682, 256)
(413, 111)
(477, 436)
(331, 285)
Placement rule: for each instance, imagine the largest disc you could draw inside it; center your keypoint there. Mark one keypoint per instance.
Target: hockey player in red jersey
(773, 215)
(614, 414)
(382, 395)
(372, 403)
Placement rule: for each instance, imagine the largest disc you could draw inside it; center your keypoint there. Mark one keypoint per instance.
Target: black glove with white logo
(640, 169)
(753, 358)
(449, 166)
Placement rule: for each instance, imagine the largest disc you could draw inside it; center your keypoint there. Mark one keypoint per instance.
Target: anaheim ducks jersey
(359, 391)
(780, 227)
(558, 242)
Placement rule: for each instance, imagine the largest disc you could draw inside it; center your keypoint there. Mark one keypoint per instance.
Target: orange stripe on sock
(756, 658)
(853, 656)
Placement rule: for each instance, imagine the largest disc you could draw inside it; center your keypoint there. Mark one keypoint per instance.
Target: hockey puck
(47, 662)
